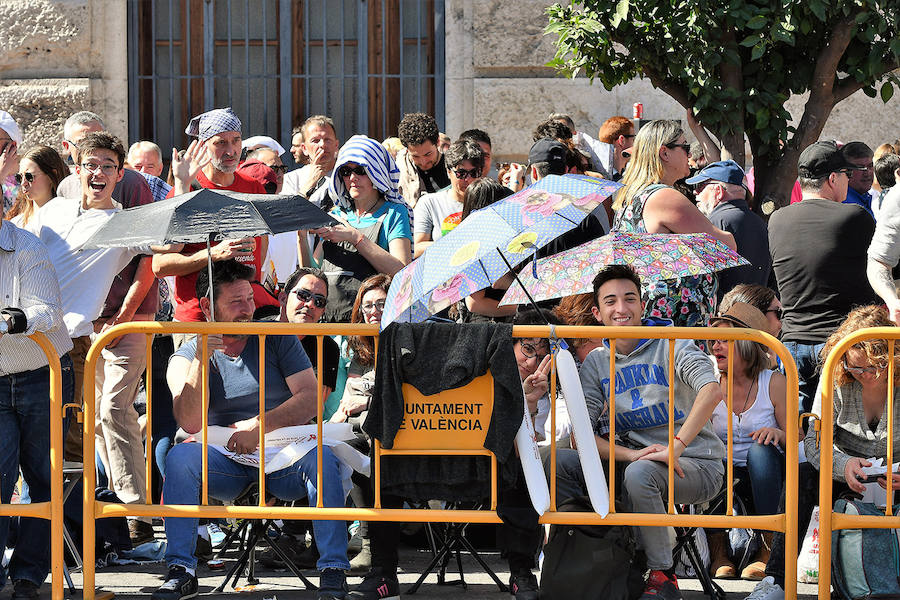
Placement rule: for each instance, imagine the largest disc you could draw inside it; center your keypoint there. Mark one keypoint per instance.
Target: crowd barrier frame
(829, 521)
(785, 522)
(53, 509)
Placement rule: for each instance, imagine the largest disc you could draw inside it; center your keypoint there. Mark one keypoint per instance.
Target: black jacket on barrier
(433, 357)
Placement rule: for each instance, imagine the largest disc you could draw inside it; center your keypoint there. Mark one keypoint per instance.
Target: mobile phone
(872, 478)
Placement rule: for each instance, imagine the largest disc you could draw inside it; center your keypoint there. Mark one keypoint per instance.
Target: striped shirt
(28, 282)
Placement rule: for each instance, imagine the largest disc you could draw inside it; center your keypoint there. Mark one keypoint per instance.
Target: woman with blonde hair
(648, 203)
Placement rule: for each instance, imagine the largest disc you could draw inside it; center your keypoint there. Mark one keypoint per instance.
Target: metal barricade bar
(786, 522)
(828, 521)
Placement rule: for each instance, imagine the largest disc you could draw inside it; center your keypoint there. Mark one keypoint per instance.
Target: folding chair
(685, 538)
(468, 441)
(248, 533)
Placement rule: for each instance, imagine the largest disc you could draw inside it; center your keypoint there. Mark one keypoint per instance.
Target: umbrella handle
(524, 289)
(209, 261)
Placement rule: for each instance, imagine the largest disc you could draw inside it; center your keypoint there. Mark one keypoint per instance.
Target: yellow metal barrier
(785, 522)
(828, 520)
(52, 510)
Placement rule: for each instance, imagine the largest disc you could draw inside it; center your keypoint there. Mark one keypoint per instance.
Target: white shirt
(85, 276)
(28, 282)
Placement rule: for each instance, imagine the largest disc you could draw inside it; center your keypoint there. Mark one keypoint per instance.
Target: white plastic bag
(808, 561)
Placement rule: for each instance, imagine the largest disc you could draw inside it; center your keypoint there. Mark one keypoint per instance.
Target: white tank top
(760, 414)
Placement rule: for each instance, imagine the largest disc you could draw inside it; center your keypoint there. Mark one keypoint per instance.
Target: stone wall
(497, 80)
(61, 56)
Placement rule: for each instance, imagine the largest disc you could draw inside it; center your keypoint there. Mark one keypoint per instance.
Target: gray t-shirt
(437, 214)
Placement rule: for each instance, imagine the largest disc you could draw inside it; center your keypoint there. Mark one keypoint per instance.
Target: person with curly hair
(860, 427)
(421, 162)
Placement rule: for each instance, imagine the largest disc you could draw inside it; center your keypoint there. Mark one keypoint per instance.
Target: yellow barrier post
(828, 521)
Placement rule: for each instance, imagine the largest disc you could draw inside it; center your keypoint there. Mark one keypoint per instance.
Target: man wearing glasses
(721, 195)
(818, 249)
(439, 213)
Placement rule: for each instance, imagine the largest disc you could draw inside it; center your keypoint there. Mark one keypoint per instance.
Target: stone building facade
(58, 56)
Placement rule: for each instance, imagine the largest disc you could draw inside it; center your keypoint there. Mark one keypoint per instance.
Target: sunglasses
(29, 177)
(279, 168)
(305, 296)
(778, 312)
(685, 146)
(467, 173)
(857, 371)
(347, 171)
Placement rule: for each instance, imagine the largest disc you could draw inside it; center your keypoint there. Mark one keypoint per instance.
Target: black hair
(610, 272)
(417, 128)
(476, 135)
(884, 170)
(300, 273)
(533, 316)
(225, 271)
(464, 150)
(553, 130)
(101, 140)
(482, 192)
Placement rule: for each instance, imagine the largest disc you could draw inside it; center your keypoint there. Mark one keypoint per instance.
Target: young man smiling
(642, 420)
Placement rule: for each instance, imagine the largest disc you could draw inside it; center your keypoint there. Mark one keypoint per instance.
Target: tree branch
(678, 93)
(849, 85)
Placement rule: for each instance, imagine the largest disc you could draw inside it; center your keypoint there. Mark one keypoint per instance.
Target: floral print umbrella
(480, 250)
(652, 255)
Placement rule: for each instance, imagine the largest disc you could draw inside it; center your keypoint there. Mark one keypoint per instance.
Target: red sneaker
(661, 587)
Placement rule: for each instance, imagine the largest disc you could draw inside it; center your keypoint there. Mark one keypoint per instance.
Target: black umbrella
(207, 215)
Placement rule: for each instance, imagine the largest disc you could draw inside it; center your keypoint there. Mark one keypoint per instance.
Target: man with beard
(211, 161)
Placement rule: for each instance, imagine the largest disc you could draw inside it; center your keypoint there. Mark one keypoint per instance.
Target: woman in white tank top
(758, 427)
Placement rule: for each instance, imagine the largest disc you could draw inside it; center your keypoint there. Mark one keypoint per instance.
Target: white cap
(263, 140)
(8, 124)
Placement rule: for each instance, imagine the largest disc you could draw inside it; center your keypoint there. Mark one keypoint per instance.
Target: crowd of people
(818, 269)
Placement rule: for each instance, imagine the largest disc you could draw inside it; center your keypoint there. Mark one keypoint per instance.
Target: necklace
(746, 400)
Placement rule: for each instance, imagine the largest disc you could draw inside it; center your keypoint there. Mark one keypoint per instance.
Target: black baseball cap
(823, 158)
(548, 150)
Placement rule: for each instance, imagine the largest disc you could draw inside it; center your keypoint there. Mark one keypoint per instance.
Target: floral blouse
(687, 301)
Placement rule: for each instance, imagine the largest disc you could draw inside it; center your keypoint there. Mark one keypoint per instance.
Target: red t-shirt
(187, 307)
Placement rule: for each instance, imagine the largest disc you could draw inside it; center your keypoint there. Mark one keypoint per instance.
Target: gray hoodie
(642, 394)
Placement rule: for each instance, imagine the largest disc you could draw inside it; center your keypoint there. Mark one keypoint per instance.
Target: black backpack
(591, 561)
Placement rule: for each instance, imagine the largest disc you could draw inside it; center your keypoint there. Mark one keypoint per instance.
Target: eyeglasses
(370, 307)
(856, 371)
(347, 170)
(467, 173)
(105, 169)
(279, 168)
(531, 351)
(685, 146)
(306, 295)
(29, 177)
(778, 312)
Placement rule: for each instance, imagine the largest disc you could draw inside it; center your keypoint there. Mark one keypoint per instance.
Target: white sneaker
(216, 535)
(766, 589)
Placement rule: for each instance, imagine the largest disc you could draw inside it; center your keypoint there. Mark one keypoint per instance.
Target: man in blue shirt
(860, 181)
(290, 398)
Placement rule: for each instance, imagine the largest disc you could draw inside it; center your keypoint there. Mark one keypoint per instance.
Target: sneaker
(140, 532)
(179, 585)
(661, 587)
(362, 562)
(332, 585)
(355, 545)
(523, 586)
(766, 589)
(216, 535)
(376, 586)
(25, 590)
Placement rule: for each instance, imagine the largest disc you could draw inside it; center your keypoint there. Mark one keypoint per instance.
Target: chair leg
(288, 563)
(710, 587)
(471, 549)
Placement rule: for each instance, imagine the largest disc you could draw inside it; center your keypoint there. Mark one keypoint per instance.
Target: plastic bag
(808, 561)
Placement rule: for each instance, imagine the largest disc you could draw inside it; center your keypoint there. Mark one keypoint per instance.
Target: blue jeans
(807, 358)
(25, 443)
(227, 479)
(763, 478)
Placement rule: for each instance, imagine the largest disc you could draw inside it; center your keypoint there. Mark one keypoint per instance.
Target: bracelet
(681, 440)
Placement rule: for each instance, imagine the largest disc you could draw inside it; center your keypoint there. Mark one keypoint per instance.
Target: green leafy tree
(736, 62)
